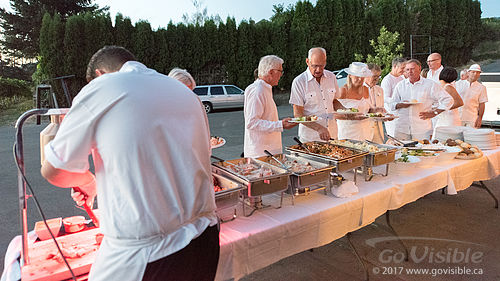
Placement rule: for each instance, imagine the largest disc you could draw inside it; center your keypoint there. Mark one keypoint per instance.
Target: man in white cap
(435, 67)
(313, 93)
(262, 125)
(413, 100)
(474, 96)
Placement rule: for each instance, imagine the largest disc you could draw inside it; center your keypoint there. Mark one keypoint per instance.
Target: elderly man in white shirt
(435, 67)
(314, 92)
(413, 99)
(388, 84)
(474, 96)
(150, 142)
(376, 96)
(262, 126)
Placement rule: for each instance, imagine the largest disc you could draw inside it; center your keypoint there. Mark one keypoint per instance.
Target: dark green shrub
(14, 87)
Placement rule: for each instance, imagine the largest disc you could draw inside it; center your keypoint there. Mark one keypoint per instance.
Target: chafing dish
(227, 198)
(301, 181)
(342, 164)
(384, 157)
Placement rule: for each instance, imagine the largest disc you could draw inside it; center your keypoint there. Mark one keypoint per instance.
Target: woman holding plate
(354, 96)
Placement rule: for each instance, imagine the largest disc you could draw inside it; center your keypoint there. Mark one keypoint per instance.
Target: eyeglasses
(317, 66)
(432, 60)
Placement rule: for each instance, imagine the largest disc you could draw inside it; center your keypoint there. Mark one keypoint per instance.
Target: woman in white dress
(450, 117)
(355, 95)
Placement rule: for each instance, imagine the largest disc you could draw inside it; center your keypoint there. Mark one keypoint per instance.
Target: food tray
(298, 180)
(255, 187)
(343, 164)
(229, 197)
(373, 159)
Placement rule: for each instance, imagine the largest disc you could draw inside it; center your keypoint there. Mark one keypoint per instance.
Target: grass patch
(12, 107)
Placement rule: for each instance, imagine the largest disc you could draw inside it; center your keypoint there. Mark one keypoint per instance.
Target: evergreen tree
(74, 62)
(123, 32)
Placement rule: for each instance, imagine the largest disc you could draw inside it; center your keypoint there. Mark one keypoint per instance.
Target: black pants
(196, 262)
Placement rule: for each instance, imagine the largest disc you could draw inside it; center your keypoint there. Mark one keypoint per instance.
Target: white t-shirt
(425, 91)
(317, 99)
(472, 95)
(262, 126)
(150, 140)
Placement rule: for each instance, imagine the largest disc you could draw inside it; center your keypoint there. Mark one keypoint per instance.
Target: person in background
(149, 138)
(413, 99)
(463, 74)
(355, 95)
(388, 83)
(183, 76)
(424, 72)
(314, 92)
(376, 99)
(435, 67)
(262, 125)
(474, 96)
(450, 117)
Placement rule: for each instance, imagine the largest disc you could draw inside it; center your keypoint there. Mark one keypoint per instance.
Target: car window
(232, 90)
(201, 91)
(216, 91)
(490, 77)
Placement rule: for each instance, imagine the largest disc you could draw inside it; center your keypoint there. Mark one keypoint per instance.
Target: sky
(160, 12)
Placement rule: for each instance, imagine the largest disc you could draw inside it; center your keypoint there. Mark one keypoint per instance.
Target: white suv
(220, 96)
(491, 80)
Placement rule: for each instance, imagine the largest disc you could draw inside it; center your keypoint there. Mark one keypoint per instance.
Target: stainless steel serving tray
(229, 197)
(343, 164)
(378, 158)
(255, 187)
(320, 173)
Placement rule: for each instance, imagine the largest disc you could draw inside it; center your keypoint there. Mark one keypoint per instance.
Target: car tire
(208, 107)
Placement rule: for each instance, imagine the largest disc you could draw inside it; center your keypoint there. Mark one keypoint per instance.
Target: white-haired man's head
(316, 61)
(183, 76)
(270, 69)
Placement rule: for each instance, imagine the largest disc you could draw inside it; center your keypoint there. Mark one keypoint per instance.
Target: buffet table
(251, 243)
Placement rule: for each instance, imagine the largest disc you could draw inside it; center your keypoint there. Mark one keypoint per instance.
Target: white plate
(411, 102)
(384, 118)
(220, 144)
(297, 121)
(348, 112)
(411, 160)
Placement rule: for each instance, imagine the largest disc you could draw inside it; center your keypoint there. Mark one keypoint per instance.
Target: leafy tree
(386, 48)
(199, 16)
(21, 27)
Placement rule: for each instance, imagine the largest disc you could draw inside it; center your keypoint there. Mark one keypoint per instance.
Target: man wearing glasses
(435, 66)
(314, 92)
(262, 125)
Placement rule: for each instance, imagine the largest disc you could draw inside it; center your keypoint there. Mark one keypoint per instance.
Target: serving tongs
(301, 144)
(409, 144)
(276, 159)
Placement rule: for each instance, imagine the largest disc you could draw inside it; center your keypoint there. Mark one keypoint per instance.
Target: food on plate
(426, 141)
(375, 114)
(450, 142)
(327, 149)
(418, 152)
(251, 170)
(465, 145)
(215, 141)
(435, 141)
(305, 118)
(414, 100)
(347, 110)
(404, 158)
(364, 146)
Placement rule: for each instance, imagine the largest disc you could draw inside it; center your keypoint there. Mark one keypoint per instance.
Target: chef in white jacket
(262, 125)
(413, 100)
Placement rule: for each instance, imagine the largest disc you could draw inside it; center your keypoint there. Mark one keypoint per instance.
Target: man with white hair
(262, 125)
(388, 84)
(314, 92)
(435, 67)
(463, 74)
(183, 76)
(413, 101)
(474, 96)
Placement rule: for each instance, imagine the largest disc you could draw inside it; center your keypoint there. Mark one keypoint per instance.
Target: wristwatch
(436, 112)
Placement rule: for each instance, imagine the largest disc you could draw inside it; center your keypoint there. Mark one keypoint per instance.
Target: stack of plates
(482, 138)
(449, 132)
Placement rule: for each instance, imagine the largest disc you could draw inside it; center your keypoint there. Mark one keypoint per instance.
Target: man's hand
(424, 115)
(478, 123)
(402, 105)
(323, 133)
(87, 194)
(287, 124)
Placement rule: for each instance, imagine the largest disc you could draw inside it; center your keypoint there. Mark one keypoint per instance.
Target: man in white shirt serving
(150, 142)
(314, 92)
(413, 99)
(474, 96)
(262, 125)
(388, 84)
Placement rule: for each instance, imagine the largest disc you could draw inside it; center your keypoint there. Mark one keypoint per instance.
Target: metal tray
(229, 197)
(320, 173)
(255, 187)
(344, 164)
(378, 158)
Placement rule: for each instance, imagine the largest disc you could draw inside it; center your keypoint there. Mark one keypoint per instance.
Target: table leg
(367, 276)
(388, 221)
(483, 186)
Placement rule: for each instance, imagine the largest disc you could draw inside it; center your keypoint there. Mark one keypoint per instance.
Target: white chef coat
(472, 95)
(262, 126)
(150, 140)
(317, 99)
(376, 99)
(388, 84)
(434, 76)
(425, 91)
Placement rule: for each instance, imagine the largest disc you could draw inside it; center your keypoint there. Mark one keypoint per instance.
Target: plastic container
(42, 231)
